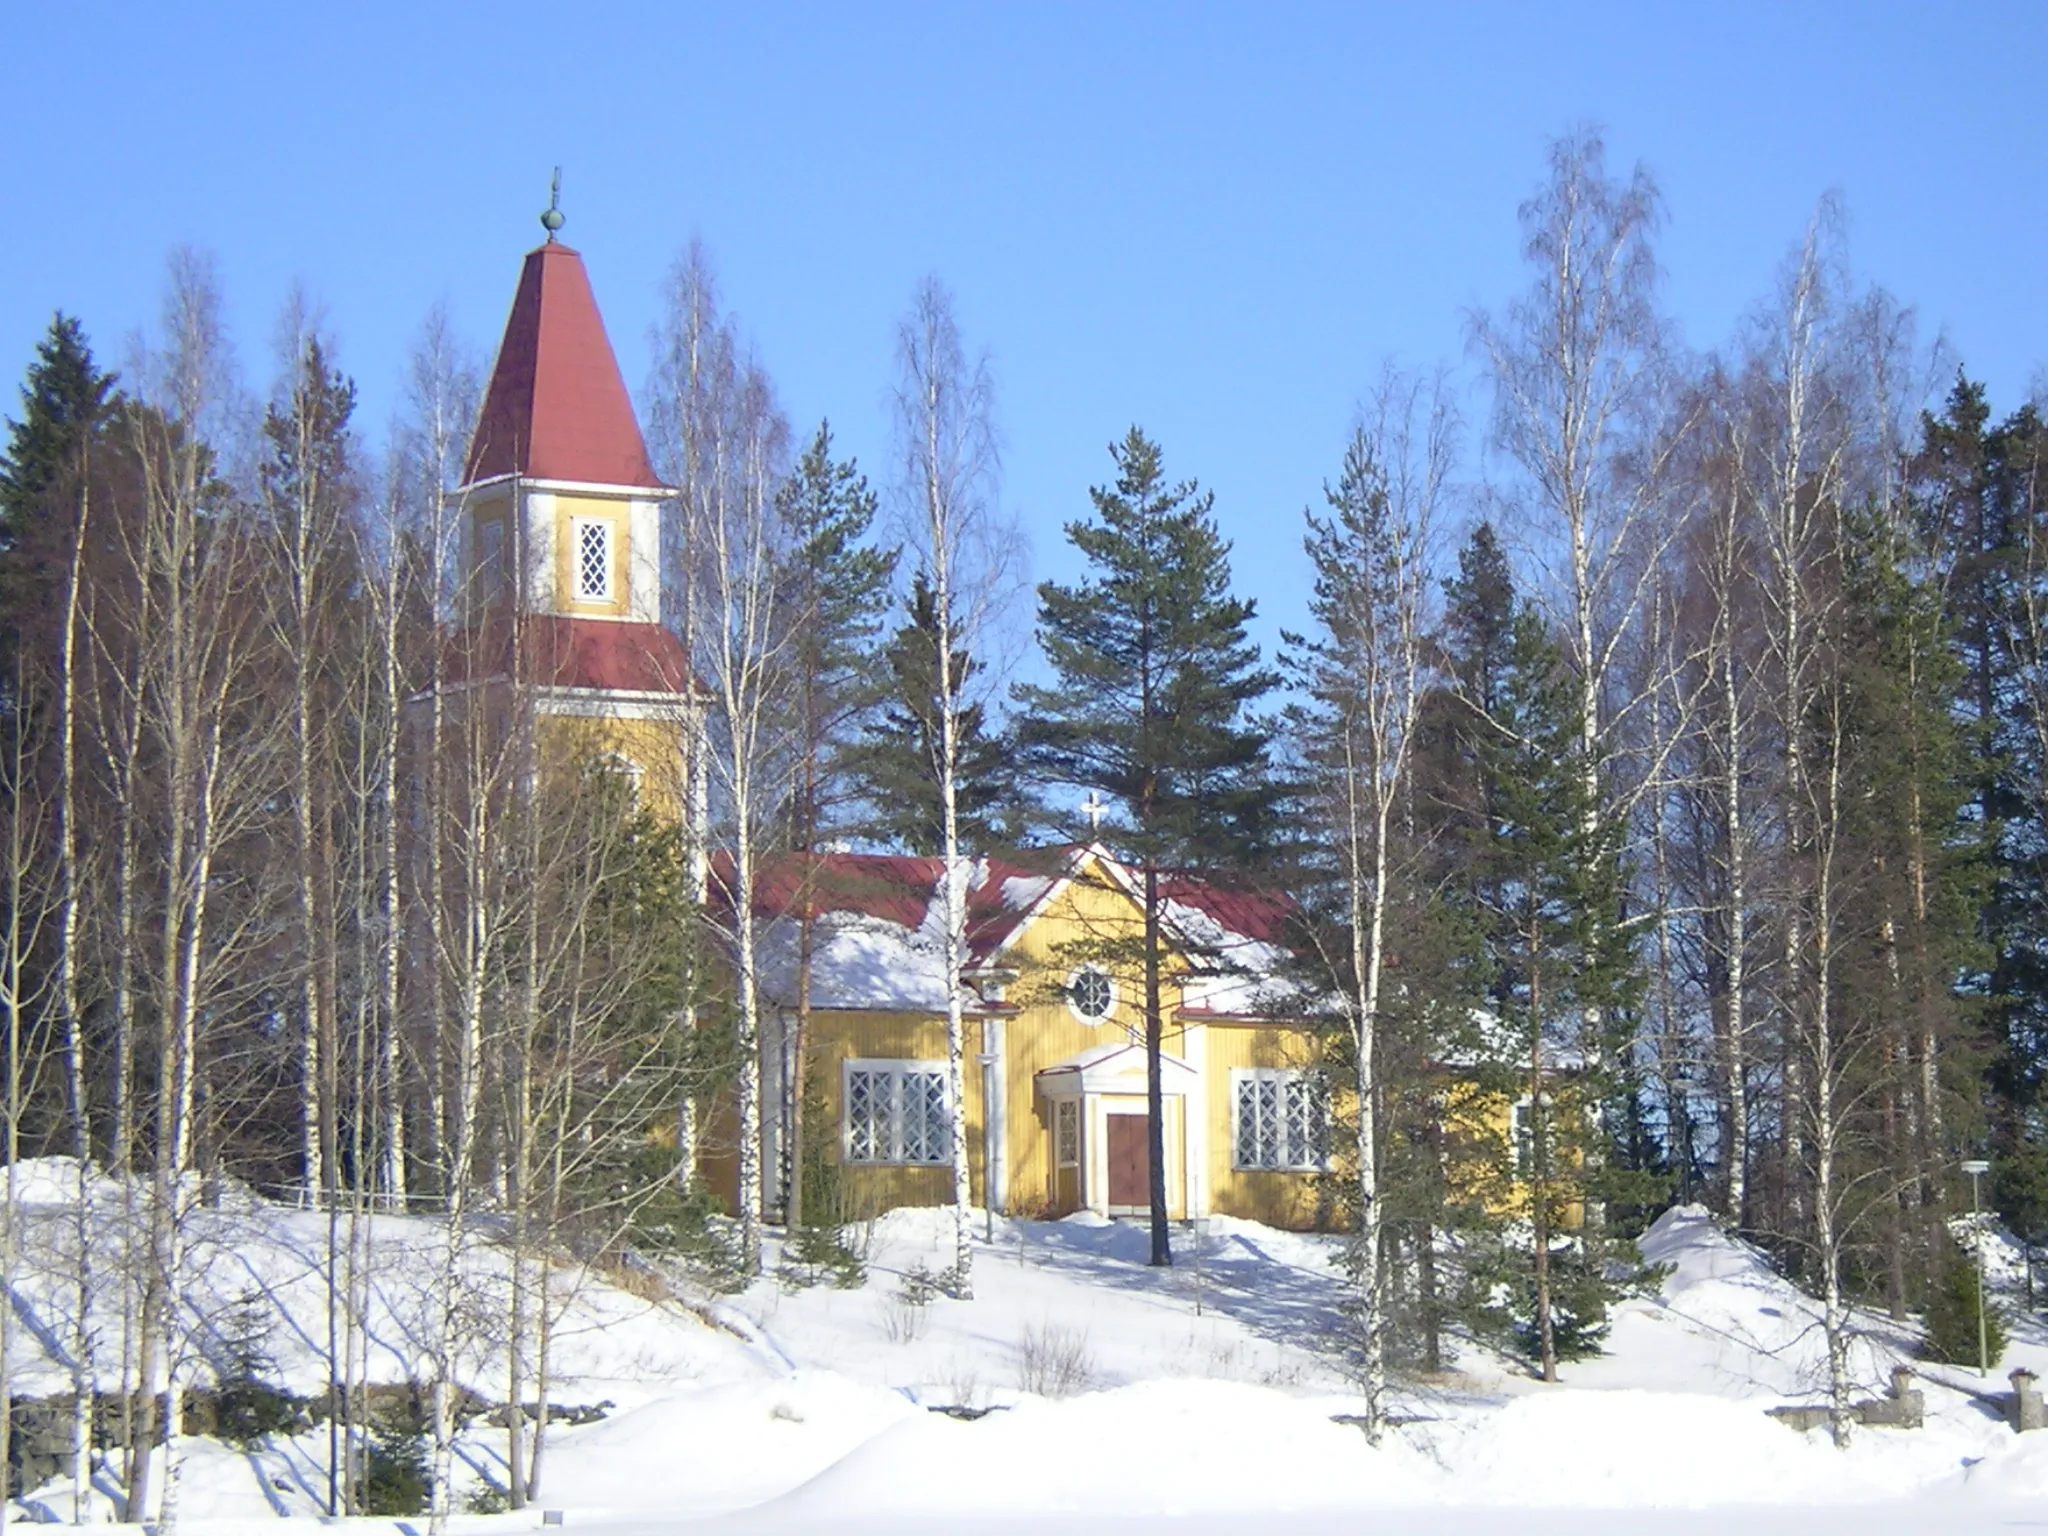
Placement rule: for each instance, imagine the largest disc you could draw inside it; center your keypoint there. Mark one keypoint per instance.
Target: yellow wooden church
(561, 552)
(1056, 1114)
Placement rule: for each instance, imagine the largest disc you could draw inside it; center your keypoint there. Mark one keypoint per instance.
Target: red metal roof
(557, 408)
(1252, 913)
(562, 652)
(900, 888)
(897, 888)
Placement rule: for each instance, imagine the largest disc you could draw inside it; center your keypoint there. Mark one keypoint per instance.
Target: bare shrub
(1053, 1361)
(902, 1319)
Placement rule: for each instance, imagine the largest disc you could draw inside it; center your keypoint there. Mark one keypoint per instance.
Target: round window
(1091, 994)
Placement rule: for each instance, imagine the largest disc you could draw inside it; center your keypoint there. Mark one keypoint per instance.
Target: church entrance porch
(1101, 1146)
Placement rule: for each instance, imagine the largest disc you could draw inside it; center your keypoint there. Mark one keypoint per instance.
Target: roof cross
(1093, 808)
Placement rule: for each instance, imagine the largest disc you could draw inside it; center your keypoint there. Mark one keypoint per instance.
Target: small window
(622, 771)
(1091, 994)
(1522, 1131)
(490, 561)
(593, 554)
(1282, 1120)
(897, 1112)
(1066, 1132)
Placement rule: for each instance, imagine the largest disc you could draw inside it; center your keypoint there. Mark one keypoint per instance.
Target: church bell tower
(560, 540)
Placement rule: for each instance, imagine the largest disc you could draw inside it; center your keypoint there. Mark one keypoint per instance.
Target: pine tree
(898, 761)
(1156, 683)
(834, 586)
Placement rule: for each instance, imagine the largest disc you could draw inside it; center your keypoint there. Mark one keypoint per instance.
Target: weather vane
(552, 221)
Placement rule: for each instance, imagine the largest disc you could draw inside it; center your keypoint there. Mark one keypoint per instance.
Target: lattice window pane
(1269, 1124)
(938, 1144)
(897, 1115)
(593, 560)
(911, 1144)
(1247, 1125)
(1297, 1123)
(860, 1117)
(1067, 1132)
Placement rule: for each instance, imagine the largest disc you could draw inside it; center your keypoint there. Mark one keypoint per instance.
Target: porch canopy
(1112, 1069)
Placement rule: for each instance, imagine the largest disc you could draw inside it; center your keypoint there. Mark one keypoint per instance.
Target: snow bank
(721, 1449)
(1157, 1448)
(53, 1181)
(1603, 1450)
(256, 1272)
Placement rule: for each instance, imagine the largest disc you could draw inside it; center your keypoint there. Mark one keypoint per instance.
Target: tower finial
(552, 220)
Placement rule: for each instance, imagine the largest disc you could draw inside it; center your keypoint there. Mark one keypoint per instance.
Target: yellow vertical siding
(654, 747)
(1046, 1031)
(842, 1036)
(1280, 1199)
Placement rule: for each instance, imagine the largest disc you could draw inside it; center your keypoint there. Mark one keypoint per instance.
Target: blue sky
(1212, 221)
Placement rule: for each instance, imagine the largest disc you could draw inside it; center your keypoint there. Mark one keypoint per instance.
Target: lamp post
(1976, 1168)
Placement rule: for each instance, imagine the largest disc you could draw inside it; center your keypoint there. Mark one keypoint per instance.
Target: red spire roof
(557, 408)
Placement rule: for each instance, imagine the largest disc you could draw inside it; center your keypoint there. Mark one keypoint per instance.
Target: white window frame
(1066, 1133)
(1522, 1134)
(1093, 1021)
(898, 1138)
(578, 526)
(1269, 1093)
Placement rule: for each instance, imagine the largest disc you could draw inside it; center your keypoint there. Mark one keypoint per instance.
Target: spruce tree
(66, 403)
(898, 762)
(1535, 877)
(1980, 498)
(1153, 705)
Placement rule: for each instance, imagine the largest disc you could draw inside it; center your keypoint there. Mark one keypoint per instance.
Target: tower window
(593, 552)
(490, 560)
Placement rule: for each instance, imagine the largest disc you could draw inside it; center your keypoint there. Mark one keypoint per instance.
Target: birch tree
(213, 755)
(1367, 670)
(449, 894)
(1581, 407)
(721, 419)
(946, 442)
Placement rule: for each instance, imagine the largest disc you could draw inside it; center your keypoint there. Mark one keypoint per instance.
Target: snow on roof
(1492, 1041)
(1100, 1055)
(878, 941)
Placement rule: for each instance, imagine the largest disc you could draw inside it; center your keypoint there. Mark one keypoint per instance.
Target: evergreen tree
(1981, 504)
(1156, 682)
(898, 761)
(1536, 878)
(833, 586)
(66, 403)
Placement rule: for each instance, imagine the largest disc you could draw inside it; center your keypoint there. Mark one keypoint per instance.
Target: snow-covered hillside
(1103, 1388)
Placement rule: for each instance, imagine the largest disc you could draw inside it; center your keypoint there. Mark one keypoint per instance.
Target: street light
(1976, 1167)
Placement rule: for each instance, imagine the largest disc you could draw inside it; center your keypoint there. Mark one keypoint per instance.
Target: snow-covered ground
(1107, 1391)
